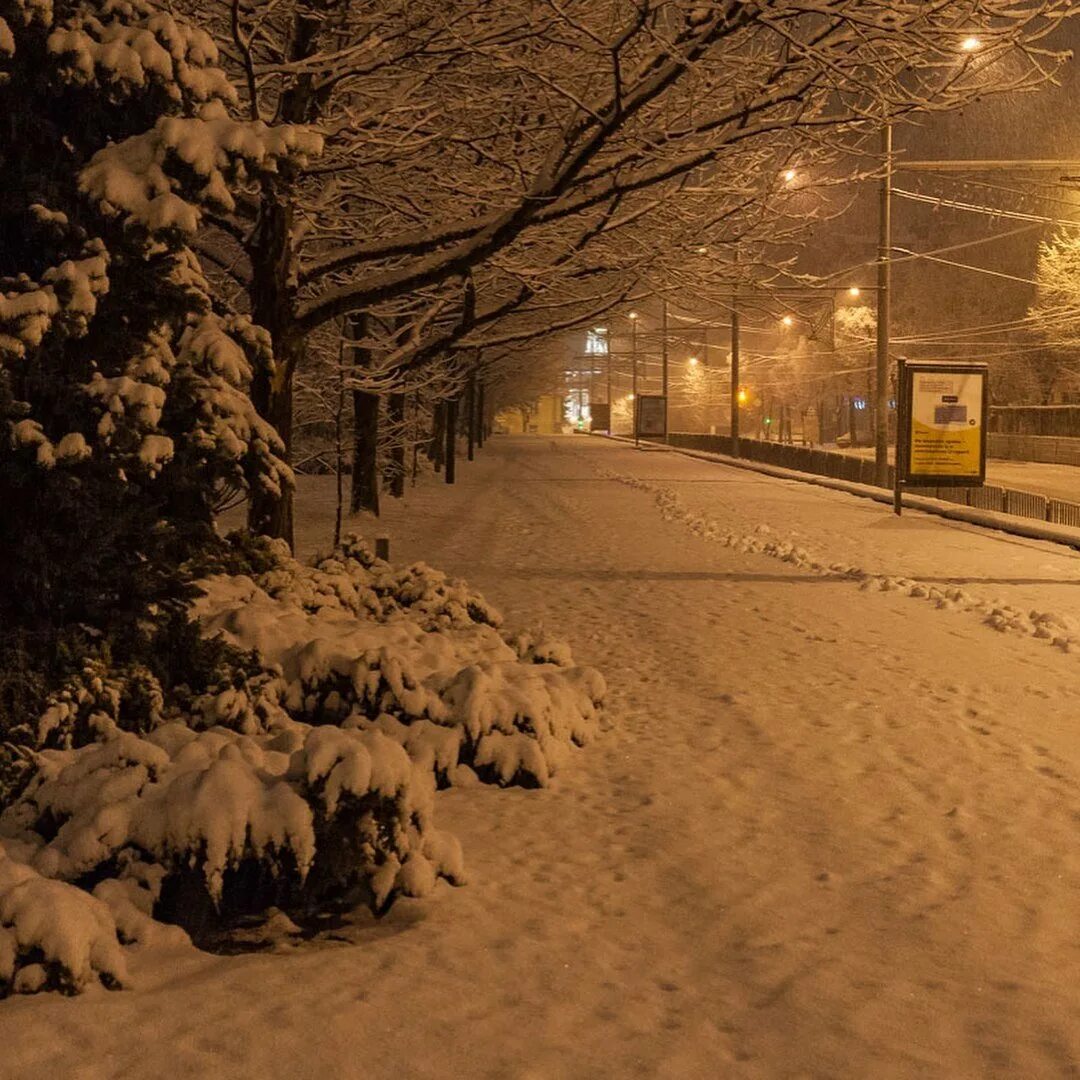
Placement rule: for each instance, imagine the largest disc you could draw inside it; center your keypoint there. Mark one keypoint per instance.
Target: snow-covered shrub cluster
(355, 642)
(295, 770)
(196, 827)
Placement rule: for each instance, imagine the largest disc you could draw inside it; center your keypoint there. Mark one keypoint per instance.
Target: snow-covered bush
(355, 643)
(352, 578)
(198, 828)
(53, 936)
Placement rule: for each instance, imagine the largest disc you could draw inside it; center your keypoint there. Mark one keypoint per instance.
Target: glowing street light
(692, 361)
(741, 397)
(633, 315)
(970, 44)
(789, 175)
(788, 321)
(853, 291)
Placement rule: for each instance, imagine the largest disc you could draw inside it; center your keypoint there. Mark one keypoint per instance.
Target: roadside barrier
(1025, 504)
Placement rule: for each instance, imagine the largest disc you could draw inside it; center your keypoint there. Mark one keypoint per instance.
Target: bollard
(382, 548)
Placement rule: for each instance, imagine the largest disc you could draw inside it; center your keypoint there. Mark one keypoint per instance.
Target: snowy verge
(1054, 628)
(987, 519)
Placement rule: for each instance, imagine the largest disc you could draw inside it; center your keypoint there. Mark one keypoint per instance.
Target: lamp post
(633, 361)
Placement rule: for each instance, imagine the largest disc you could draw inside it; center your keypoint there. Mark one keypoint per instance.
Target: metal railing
(858, 470)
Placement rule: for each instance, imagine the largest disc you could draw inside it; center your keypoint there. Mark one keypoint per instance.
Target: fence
(1035, 420)
(861, 471)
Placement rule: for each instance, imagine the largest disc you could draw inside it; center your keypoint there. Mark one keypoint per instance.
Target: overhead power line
(988, 211)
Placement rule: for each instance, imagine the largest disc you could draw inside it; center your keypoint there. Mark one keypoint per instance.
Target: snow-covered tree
(123, 384)
(1056, 320)
(472, 148)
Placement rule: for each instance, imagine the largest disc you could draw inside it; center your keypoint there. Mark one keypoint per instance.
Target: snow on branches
(140, 177)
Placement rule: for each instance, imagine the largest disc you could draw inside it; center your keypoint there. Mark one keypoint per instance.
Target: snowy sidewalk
(831, 832)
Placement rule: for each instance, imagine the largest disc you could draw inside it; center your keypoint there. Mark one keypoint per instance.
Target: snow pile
(1056, 629)
(355, 643)
(53, 936)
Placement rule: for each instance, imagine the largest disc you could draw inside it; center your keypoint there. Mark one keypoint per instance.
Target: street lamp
(854, 291)
(693, 361)
(970, 44)
(788, 321)
(633, 356)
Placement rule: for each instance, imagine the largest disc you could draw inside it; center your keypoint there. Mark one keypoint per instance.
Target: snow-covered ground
(830, 832)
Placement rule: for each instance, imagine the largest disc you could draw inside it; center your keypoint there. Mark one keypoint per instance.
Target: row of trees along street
(489, 177)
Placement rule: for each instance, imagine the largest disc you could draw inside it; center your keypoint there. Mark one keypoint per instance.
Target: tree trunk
(394, 480)
(470, 415)
(438, 435)
(480, 433)
(451, 439)
(365, 474)
(272, 292)
(270, 514)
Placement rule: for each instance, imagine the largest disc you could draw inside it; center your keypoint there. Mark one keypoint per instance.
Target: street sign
(651, 416)
(942, 432)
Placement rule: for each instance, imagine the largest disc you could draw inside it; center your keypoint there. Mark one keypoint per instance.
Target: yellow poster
(946, 424)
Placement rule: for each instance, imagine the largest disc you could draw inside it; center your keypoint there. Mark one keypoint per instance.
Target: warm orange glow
(692, 361)
(853, 291)
(741, 397)
(787, 320)
(970, 44)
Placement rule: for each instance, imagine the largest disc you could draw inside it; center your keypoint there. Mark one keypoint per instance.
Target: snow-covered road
(831, 831)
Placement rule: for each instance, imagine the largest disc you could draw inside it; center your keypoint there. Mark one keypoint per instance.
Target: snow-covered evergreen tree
(123, 404)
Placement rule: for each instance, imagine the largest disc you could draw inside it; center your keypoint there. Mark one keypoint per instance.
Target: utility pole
(607, 347)
(664, 362)
(633, 386)
(734, 372)
(881, 373)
